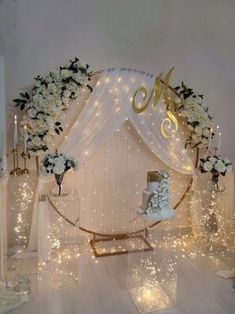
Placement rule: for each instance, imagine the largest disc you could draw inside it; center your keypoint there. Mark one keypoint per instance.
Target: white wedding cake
(156, 197)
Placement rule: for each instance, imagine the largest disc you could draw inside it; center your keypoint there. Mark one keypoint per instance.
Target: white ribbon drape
(109, 106)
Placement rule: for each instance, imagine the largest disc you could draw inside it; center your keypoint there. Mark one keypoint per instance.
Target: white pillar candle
(15, 133)
(217, 138)
(25, 139)
(209, 143)
(219, 143)
(210, 139)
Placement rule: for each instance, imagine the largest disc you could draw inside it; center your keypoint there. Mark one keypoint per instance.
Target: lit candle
(210, 138)
(25, 139)
(15, 133)
(217, 137)
(219, 143)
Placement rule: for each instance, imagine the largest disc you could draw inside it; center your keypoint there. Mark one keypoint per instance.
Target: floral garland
(191, 106)
(49, 96)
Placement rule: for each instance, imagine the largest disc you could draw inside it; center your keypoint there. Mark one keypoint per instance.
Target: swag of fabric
(109, 107)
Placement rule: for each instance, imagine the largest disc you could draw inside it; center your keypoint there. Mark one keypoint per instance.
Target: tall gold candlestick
(25, 156)
(16, 171)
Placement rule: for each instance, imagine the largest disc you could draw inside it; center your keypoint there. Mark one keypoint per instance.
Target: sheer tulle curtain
(109, 107)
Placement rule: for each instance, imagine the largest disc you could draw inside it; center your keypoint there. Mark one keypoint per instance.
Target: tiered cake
(156, 198)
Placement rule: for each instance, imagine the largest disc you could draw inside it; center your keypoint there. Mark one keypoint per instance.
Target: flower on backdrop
(192, 107)
(50, 96)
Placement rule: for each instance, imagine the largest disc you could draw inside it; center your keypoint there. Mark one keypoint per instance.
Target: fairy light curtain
(109, 107)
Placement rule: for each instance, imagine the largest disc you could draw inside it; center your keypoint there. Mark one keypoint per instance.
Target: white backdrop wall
(197, 37)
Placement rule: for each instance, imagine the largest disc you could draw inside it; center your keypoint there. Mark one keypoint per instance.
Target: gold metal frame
(124, 236)
(121, 251)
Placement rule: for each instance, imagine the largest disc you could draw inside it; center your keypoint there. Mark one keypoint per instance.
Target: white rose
(37, 83)
(177, 100)
(36, 141)
(66, 93)
(207, 166)
(65, 73)
(198, 130)
(32, 112)
(49, 79)
(59, 168)
(52, 88)
(196, 137)
(213, 160)
(45, 93)
(220, 166)
(198, 100)
(226, 161)
(61, 160)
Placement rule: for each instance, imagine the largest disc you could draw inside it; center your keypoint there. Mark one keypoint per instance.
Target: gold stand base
(25, 171)
(15, 172)
(123, 251)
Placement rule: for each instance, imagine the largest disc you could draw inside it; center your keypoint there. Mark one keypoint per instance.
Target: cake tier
(145, 198)
(151, 186)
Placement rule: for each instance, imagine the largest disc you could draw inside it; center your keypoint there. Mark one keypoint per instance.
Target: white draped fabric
(109, 106)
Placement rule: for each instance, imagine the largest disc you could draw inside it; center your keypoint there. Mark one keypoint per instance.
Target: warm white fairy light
(23, 199)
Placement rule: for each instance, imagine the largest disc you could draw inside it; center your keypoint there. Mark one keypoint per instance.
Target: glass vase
(60, 189)
(59, 178)
(216, 184)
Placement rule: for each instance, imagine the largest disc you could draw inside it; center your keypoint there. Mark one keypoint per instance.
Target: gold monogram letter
(160, 87)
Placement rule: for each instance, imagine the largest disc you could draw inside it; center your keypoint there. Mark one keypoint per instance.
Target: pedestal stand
(151, 278)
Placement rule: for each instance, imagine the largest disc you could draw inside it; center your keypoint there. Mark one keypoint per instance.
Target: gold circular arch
(110, 236)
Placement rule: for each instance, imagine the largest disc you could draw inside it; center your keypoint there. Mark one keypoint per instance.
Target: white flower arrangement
(191, 107)
(49, 96)
(160, 197)
(58, 163)
(216, 165)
